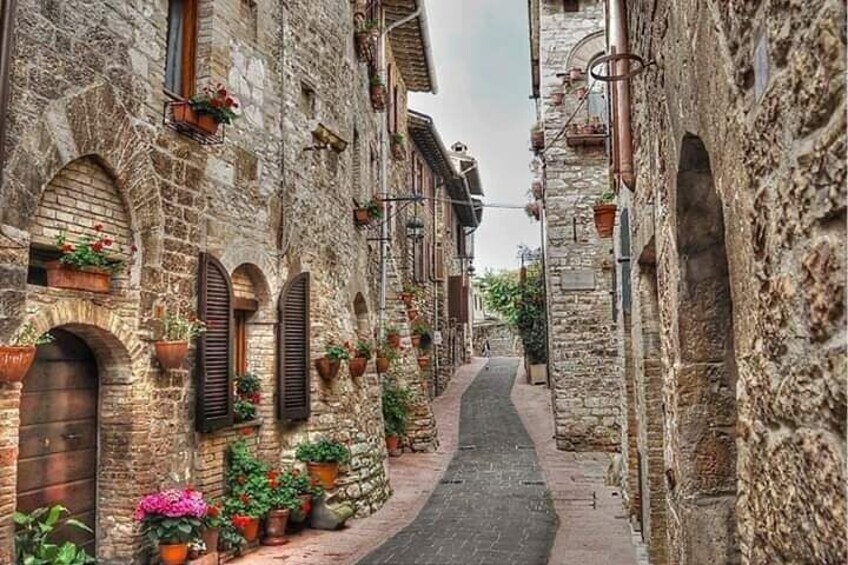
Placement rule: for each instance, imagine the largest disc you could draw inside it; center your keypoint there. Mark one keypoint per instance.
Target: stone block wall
(770, 119)
(583, 364)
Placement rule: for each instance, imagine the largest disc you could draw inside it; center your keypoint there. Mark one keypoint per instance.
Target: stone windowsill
(249, 424)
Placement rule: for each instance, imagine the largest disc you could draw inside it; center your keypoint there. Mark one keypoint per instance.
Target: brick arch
(91, 122)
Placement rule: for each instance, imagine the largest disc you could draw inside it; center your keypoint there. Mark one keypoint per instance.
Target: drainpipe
(618, 41)
(7, 26)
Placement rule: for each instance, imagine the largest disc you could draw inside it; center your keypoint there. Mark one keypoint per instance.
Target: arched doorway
(705, 391)
(58, 445)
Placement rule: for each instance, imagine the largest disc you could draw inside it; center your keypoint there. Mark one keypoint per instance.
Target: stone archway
(704, 393)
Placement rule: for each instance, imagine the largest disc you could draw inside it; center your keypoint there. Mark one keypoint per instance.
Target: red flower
(213, 511)
(98, 227)
(97, 246)
(133, 248)
(107, 242)
(240, 522)
(67, 248)
(273, 484)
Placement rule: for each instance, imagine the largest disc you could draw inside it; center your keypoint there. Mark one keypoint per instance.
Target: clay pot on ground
(171, 354)
(90, 279)
(357, 366)
(423, 361)
(15, 361)
(361, 217)
(327, 368)
(324, 473)
(537, 139)
(185, 115)
(392, 443)
(382, 364)
(210, 539)
(173, 553)
(605, 219)
(394, 339)
(250, 531)
(275, 527)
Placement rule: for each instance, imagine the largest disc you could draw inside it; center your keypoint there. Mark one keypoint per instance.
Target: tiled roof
(411, 44)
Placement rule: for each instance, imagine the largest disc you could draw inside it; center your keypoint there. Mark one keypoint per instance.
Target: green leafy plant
(421, 328)
(386, 351)
(247, 483)
(217, 102)
(28, 335)
(396, 400)
(92, 250)
(248, 383)
(363, 350)
(171, 516)
(283, 494)
(214, 515)
(398, 138)
(375, 208)
(248, 397)
(244, 410)
(230, 537)
(32, 538)
(180, 328)
(607, 197)
(322, 451)
(337, 352)
(376, 80)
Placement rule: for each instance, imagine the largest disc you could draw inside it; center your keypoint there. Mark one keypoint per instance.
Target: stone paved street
(491, 506)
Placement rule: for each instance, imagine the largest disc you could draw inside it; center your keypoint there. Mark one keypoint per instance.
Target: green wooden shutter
(293, 366)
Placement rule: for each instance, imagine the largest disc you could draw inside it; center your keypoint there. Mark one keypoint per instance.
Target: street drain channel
(532, 483)
(467, 447)
(524, 447)
(452, 481)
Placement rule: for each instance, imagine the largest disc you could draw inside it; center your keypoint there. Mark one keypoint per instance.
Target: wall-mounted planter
(186, 116)
(416, 341)
(537, 189)
(412, 313)
(575, 73)
(557, 98)
(581, 92)
(407, 298)
(605, 219)
(15, 361)
(361, 217)
(60, 275)
(171, 354)
(394, 339)
(357, 366)
(382, 364)
(423, 361)
(327, 368)
(537, 139)
(378, 97)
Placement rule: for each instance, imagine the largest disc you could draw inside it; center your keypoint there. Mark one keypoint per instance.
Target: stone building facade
(579, 267)
(728, 154)
(264, 209)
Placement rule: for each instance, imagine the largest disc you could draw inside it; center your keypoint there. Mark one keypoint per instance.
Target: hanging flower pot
(412, 313)
(361, 217)
(275, 527)
(416, 341)
(537, 138)
(382, 364)
(581, 92)
(605, 214)
(357, 366)
(378, 93)
(171, 354)
(393, 337)
(90, 279)
(575, 73)
(392, 443)
(15, 361)
(327, 368)
(557, 98)
(423, 361)
(537, 189)
(398, 146)
(173, 553)
(324, 474)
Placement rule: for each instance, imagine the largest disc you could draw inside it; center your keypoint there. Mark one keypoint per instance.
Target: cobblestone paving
(492, 506)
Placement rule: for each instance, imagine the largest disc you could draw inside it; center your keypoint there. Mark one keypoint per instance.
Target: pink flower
(171, 504)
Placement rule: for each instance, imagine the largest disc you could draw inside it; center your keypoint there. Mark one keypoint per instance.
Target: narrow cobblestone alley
(492, 505)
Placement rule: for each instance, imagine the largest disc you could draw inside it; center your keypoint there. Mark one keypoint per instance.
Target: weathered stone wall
(754, 85)
(578, 264)
(87, 82)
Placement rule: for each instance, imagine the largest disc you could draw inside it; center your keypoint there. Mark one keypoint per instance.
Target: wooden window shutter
(440, 262)
(293, 350)
(456, 300)
(214, 348)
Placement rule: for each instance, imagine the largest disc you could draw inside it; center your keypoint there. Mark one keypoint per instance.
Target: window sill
(255, 423)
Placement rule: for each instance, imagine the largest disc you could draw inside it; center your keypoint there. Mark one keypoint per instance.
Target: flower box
(91, 279)
(185, 115)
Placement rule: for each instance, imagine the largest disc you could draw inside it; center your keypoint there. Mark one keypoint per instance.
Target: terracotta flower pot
(605, 219)
(357, 366)
(275, 527)
(324, 473)
(361, 217)
(378, 97)
(327, 368)
(15, 361)
(364, 41)
(587, 129)
(185, 115)
(392, 443)
(557, 98)
(393, 339)
(89, 279)
(581, 92)
(407, 298)
(423, 361)
(398, 151)
(173, 553)
(416, 340)
(171, 354)
(412, 313)
(250, 531)
(382, 364)
(210, 539)
(537, 139)
(575, 74)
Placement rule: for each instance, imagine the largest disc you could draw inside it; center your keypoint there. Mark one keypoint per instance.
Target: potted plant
(372, 210)
(88, 265)
(409, 294)
(364, 39)
(587, 129)
(605, 214)
(420, 333)
(386, 355)
(557, 97)
(581, 92)
(537, 137)
(212, 522)
(361, 217)
(398, 145)
(396, 401)
(533, 210)
(206, 111)
(172, 518)
(393, 336)
(171, 351)
(375, 208)
(247, 501)
(247, 397)
(423, 361)
(377, 91)
(32, 538)
(361, 355)
(17, 357)
(575, 73)
(328, 365)
(322, 460)
(412, 314)
(282, 500)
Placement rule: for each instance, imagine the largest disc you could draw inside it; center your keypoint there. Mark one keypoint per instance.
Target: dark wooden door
(57, 460)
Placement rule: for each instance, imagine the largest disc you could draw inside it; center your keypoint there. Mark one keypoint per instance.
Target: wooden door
(57, 460)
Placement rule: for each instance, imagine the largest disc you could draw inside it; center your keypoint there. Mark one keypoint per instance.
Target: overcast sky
(482, 57)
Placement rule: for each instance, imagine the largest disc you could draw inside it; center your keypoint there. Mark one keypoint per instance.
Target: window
(181, 50)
